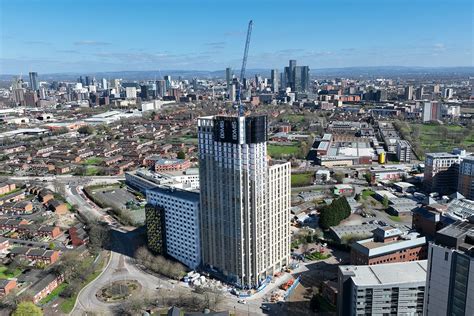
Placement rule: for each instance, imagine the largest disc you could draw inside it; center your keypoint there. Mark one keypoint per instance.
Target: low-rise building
(388, 245)
(6, 286)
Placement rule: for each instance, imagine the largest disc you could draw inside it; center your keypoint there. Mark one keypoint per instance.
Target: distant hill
(348, 72)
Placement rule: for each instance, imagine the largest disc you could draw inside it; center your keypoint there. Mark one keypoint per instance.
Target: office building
(384, 289)
(403, 151)
(168, 82)
(161, 89)
(131, 92)
(104, 84)
(148, 91)
(296, 77)
(419, 93)
(466, 177)
(442, 171)
(388, 245)
(450, 271)
(409, 93)
(245, 201)
(275, 78)
(180, 210)
(228, 78)
(431, 111)
(34, 81)
(448, 93)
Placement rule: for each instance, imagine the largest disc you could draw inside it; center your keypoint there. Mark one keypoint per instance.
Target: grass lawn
(436, 138)
(55, 293)
(92, 161)
(278, 151)
(92, 170)
(5, 275)
(68, 304)
(395, 218)
(301, 179)
(316, 255)
(11, 192)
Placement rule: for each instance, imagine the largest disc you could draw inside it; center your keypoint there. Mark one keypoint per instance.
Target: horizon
(143, 35)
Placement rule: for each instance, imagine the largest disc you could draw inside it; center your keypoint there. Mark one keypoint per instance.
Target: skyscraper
(431, 111)
(228, 78)
(275, 78)
(34, 81)
(409, 93)
(296, 77)
(104, 84)
(244, 201)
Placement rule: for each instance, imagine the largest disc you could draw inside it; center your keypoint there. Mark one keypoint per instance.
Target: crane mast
(242, 70)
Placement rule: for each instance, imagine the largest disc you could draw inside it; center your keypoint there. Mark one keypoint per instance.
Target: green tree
(385, 201)
(85, 130)
(339, 177)
(27, 309)
(52, 245)
(368, 177)
(181, 155)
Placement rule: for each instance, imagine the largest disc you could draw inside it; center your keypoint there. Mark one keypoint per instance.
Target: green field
(92, 161)
(395, 218)
(293, 118)
(427, 138)
(280, 151)
(5, 275)
(301, 179)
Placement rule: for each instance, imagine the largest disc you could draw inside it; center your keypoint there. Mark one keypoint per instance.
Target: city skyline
(103, 36)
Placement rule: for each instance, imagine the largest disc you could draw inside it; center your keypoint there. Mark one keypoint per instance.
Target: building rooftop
(372, 248)
(192, 196)
(387, 274)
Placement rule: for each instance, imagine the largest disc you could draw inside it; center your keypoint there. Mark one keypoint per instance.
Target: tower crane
(242, 70)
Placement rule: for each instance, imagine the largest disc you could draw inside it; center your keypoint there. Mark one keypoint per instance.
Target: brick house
(58, 207)
(78, 235)
(6, 286)
(45, 286)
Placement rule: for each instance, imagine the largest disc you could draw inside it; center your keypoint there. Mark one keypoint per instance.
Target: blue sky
(100, 35)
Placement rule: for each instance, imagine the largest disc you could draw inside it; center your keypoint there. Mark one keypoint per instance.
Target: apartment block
(245, 201)
(181, 223)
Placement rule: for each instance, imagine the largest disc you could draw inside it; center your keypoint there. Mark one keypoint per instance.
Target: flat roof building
(385, 289)
(181, 223)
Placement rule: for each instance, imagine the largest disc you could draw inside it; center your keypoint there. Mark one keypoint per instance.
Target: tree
(368, 177)
(27, 309)
(334, 213)
(85, 130)
(339, 177)
(385, 201)
(52, 245)
(99, 236)
(181, 155)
